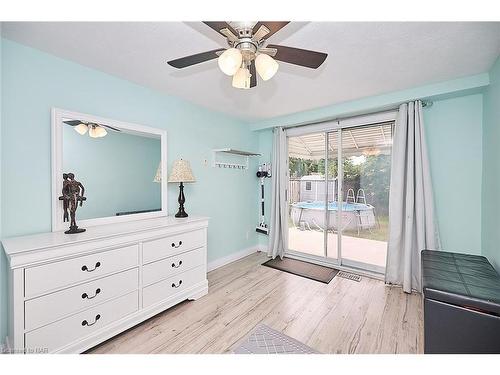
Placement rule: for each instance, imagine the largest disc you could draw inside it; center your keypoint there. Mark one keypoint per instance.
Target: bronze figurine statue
(72, 193)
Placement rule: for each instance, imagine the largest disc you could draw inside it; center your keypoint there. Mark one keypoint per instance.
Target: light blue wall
(117, 171)
(454, 139)
(435, 91)
(34, 81)
(491, 169)
(454, 135)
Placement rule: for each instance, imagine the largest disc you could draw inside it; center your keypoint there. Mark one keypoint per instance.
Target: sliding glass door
(338, 211)
(366, 174)
(307, 194)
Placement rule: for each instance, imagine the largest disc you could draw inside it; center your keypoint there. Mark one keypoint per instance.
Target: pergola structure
(364, 140)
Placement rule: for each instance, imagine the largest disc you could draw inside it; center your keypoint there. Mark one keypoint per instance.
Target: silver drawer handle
(178, 285)
(85, 323)
(97, 265)
(97, 291)
(178, 265)
(176, 246)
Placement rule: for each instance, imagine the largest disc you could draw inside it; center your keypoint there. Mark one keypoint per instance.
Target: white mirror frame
(57, 169)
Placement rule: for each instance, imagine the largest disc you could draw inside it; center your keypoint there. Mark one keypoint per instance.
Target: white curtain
(278, 236)
(412, 226)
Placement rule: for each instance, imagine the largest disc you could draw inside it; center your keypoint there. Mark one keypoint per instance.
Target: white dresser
(68, 293)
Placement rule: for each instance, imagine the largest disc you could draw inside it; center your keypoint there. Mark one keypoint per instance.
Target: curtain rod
(425, 103)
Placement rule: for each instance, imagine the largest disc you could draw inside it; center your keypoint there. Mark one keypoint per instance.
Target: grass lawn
(379, 233)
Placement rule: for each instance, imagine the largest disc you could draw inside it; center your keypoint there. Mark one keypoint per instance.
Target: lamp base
(181, 200)
(181, 214)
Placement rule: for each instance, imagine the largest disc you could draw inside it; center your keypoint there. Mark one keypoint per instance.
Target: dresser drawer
(168, 246)
(162, 290)
(60, 274)
(51, 307)
(165, 268)
(59, 334)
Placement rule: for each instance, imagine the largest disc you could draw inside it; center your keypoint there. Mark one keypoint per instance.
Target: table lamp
(181, 173)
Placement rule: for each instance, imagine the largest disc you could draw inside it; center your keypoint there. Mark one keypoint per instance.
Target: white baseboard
(233, 257)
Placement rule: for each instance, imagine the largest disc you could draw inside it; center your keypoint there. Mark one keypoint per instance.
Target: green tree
(375, 176)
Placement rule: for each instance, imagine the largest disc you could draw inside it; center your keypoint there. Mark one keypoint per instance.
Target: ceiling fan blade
(272, 26)
(72, 122)
(269, 51)
(261, 32)
(297, 56)
(253, 72)
(219, 26)
(110, 127)
(194, 59)
(229, 34)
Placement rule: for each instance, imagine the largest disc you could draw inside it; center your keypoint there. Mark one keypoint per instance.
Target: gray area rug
(265, 340)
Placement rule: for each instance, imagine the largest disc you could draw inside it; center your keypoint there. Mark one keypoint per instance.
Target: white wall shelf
(221, 164)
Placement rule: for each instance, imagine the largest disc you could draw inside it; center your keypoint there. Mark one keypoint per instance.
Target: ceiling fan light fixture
(101, 132)
(96, 131)
(230, 61)
(81, 128)
(371, 151)
(241, 80)
(93, 131)
(266, 66)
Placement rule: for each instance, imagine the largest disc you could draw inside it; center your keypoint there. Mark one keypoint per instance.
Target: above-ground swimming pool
(311, 215)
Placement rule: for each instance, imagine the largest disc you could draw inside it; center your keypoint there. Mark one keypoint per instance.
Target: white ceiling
(364, 59)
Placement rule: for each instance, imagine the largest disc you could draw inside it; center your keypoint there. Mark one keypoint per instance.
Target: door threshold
(323, 262)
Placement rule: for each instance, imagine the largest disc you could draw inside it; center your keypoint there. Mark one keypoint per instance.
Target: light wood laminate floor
(343, 316)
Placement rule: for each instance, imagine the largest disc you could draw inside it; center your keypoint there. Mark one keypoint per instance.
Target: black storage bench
(461, 303)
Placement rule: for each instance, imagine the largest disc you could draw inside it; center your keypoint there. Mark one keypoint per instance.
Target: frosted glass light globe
(101, 132)
(97, 131)
(81, 129)
(241, 80)
(230, 61)
(93, 132)
(266, 66)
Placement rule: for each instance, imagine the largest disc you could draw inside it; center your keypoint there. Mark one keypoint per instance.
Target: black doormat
(300, 268)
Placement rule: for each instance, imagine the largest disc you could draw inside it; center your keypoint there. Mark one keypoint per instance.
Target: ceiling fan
(248, 53)
(95, 130)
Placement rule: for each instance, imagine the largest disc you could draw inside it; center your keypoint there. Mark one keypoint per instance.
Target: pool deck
(353, 248)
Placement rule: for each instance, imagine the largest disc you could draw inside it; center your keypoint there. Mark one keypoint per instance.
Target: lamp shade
(266, 66)
(101, 132)
(241, 80)
(181, 172)
(96, 131)
(81, 128)
(93, 132)
(230, 61)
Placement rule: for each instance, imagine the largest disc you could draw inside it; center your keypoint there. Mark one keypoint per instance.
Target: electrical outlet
(248, 234)
(205, 162)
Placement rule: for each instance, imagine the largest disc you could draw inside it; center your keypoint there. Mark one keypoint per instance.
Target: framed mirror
(120, 165)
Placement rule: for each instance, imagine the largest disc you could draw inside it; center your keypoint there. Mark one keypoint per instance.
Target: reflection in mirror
(118, 168)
